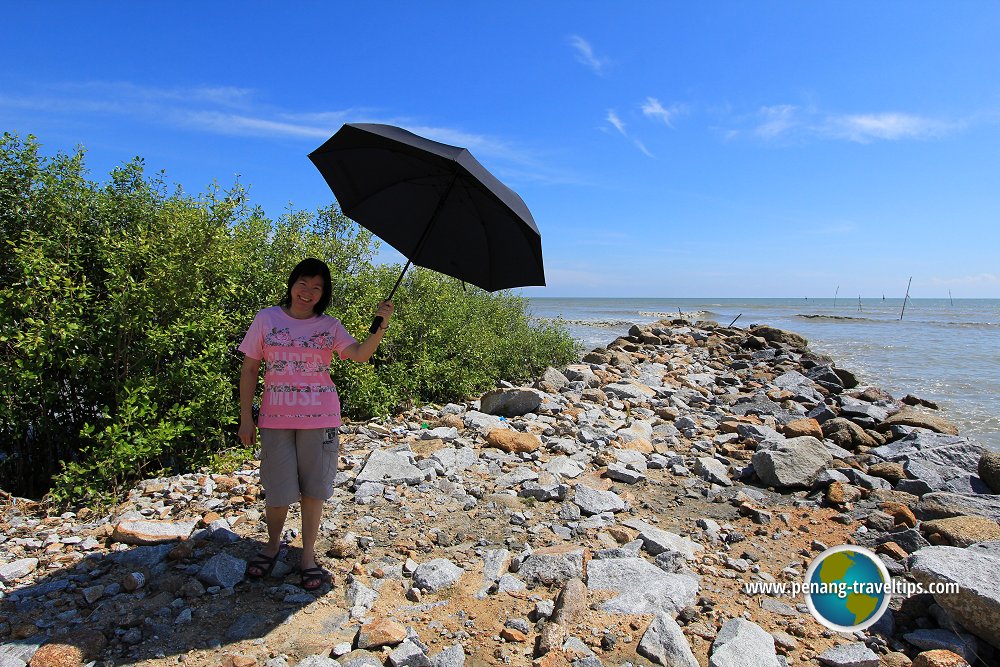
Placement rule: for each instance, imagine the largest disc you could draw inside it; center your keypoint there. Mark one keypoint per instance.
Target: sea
(943, 350)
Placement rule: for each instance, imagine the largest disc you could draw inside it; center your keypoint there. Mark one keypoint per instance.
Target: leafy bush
(121, 307)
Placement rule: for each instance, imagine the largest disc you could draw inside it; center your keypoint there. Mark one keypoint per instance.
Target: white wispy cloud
(890, 126)
(652, 108)
(788, 121)
(642, 147)
(619, 125)
(585, 54)
(776, 121)
(613, 118)
(228, 110)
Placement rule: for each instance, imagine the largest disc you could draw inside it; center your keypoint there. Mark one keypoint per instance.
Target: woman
(300, 409)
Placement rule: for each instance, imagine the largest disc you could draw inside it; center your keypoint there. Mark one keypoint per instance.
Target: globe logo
(847, 588)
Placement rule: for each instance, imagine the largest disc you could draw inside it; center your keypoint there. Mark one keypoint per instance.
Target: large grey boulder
(553, 564)
(855, 654)
(656, 540)
(943, 462)
(510, 402)
(741, 643)
(664, 643)
(593, 501)
(795, 462)
(436, 574)
(222, 570)
(974, 569)
(642, 587)
(390, 468)
(942, 505)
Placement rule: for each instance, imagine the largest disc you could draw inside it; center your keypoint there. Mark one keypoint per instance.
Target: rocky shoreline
(610, 514)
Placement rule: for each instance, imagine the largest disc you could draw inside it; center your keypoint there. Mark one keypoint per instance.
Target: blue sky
(666, 149)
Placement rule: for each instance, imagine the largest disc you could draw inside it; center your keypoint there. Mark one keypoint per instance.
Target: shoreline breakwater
(612, 512)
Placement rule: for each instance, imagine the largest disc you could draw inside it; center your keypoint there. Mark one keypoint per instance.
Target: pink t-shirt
(298, 389)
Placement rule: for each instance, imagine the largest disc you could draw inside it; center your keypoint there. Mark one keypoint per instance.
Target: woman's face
(306, 293)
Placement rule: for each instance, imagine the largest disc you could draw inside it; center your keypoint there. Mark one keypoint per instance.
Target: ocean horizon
(943, 350)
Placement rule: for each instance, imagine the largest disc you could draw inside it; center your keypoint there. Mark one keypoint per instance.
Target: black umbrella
(434, 203)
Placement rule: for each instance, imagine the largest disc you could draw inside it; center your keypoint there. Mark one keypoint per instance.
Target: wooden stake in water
(734, 320)
(859, 303)
(950, 299)
(835, 296)
(905, 298)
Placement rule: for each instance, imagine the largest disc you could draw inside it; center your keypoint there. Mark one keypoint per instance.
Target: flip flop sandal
(314, 577)
(264, 564)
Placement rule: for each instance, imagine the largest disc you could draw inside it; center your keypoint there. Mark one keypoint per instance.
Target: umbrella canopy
(434, 203)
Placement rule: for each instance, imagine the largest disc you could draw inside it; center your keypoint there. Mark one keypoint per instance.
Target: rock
(656, 540)
(911, 416)
(805, 426)
(741, 643)
(849, 655)
(900, 513)
(891, 471)
(18, 569)
(222, 570)
(664, 643)
(896, 659)
(962, 531)
(381, 631)
(949, 455)
(512, 442)
(436, 574)
(72, 650)
(839, 493)
(495, 564)
(551, 637)
(939, 658)
(141, 532)
(308, 661)
(773, 335)
(19, 652)
(794, 462)
(360, 598)
(989, 470)
(564, 467)
(482, 422)
(453, 656)
(942, 505)
(510, 402)
(553, 564)
(629, 390)
(570, 604)
(712, 470)
(847, 434)
(593, 501)
(963, 644)
(977, 604)
(408, 654)
(642, 587)
(389, 468)
(359, 658)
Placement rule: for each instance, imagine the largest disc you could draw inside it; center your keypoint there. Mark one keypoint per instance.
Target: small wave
(968, 325)
(602, 324)
(837, 317)
(672, 314)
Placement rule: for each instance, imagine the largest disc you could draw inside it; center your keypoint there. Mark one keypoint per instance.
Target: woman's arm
(248, 388)
(362, 352)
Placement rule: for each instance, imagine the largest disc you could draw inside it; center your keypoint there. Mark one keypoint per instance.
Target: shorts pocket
(331, 453)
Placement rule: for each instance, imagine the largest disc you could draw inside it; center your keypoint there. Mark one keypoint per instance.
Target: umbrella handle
(377, 322)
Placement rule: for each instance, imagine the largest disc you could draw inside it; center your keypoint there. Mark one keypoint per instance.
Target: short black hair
(309, 268)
